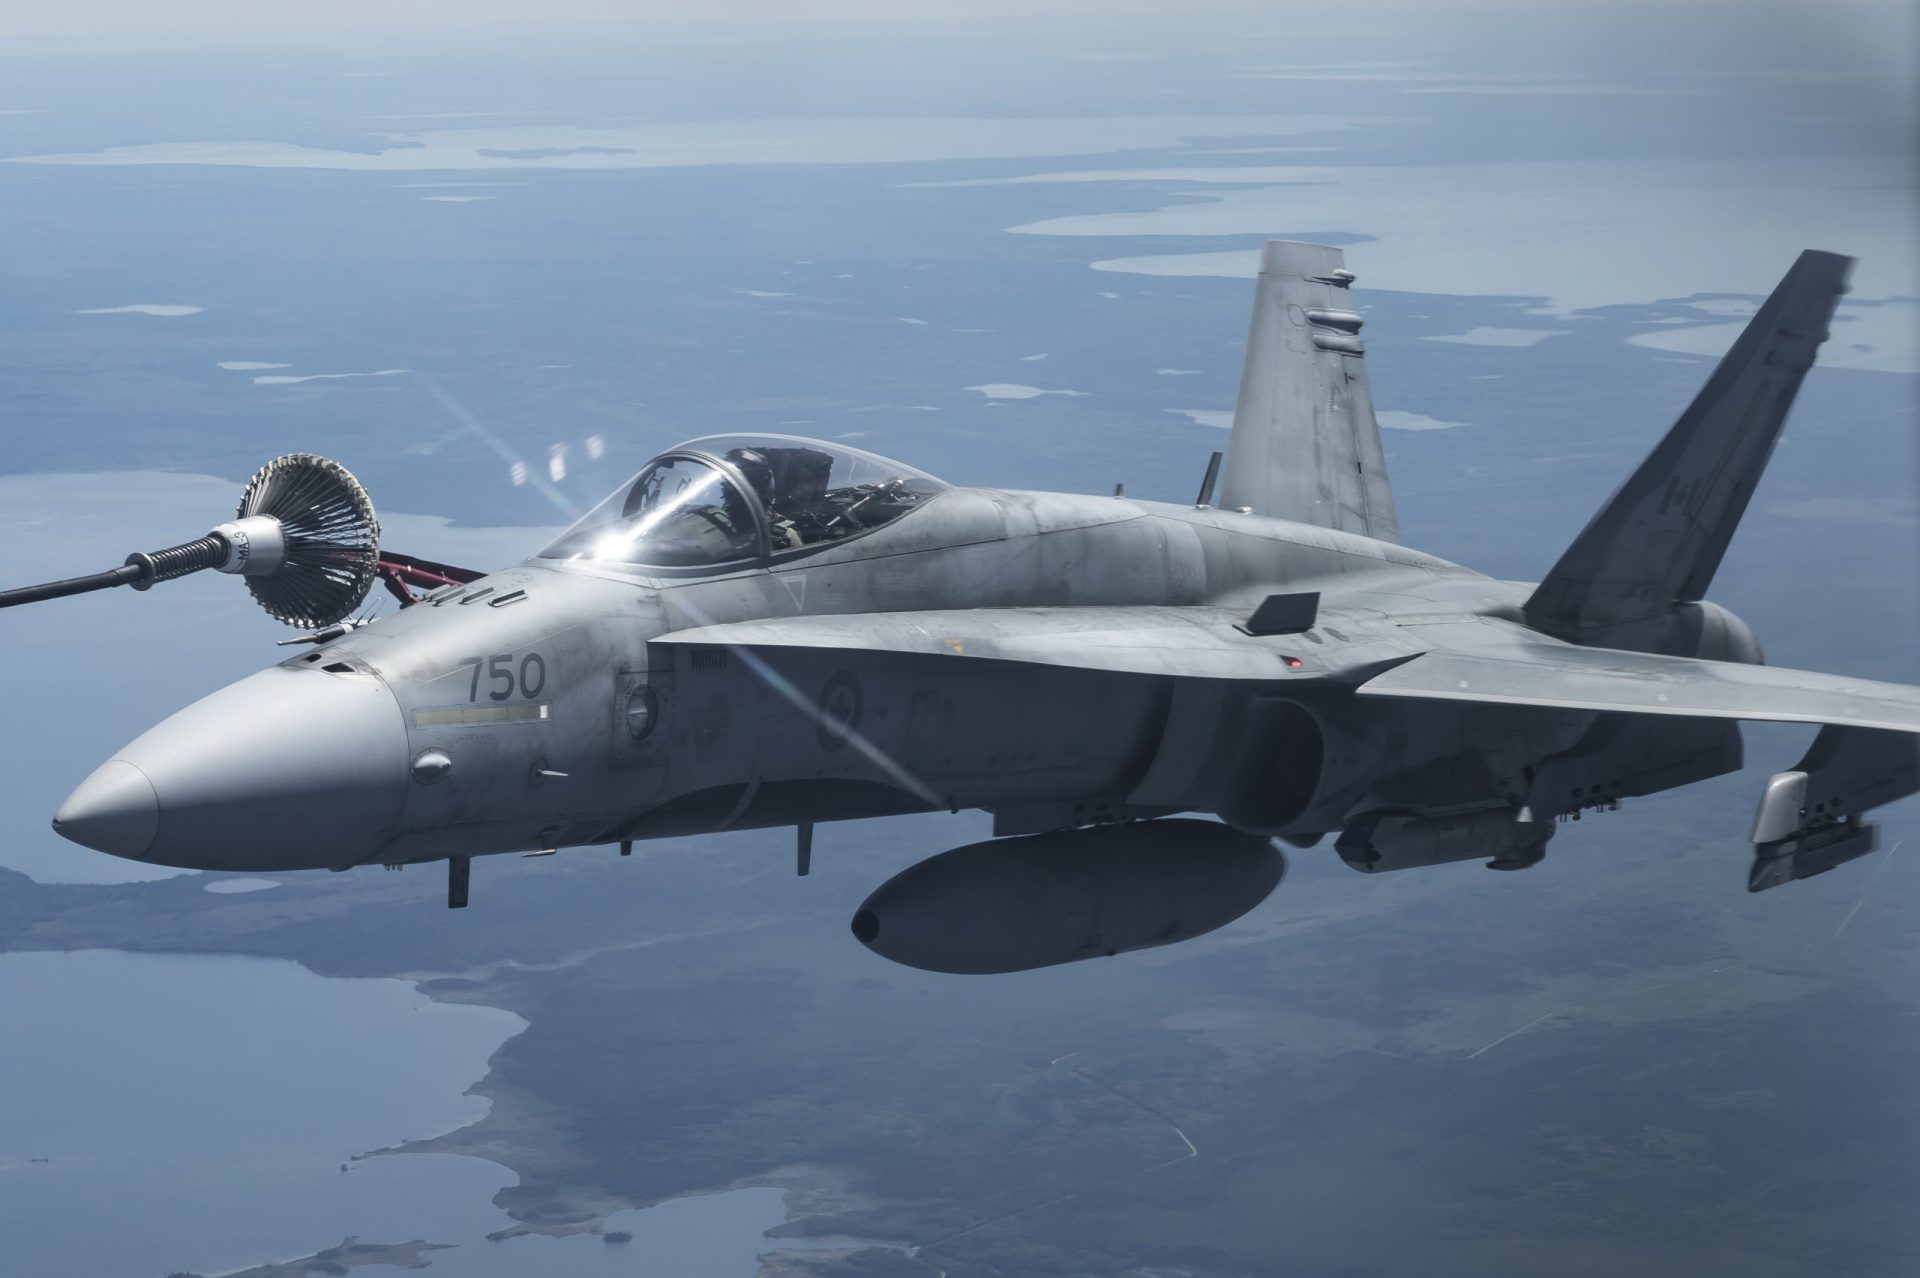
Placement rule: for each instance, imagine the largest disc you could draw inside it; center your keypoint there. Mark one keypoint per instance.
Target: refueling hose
(140, 571)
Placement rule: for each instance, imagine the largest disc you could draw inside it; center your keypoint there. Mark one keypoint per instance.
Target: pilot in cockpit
(688, 510)
(794, 483)
(757, 467)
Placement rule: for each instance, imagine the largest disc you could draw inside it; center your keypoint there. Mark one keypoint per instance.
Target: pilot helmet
(757, 470)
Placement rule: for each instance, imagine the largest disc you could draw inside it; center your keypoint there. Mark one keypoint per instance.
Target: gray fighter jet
(771, 631)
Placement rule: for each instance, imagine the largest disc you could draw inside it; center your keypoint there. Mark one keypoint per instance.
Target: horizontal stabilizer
(1569, 678)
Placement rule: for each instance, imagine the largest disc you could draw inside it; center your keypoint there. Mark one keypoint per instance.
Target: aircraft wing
(1534, 674)
(1209, 643)
(1191, 642)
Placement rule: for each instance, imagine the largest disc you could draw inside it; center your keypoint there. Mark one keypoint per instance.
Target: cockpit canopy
(733, 499)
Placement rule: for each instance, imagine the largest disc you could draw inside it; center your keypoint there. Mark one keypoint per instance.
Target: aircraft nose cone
(286, 769)
(114, 810)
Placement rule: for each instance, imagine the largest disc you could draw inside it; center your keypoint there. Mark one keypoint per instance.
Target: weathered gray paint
(1519, 670)
(1059, 660)
(1660, 538)
(1305, 444)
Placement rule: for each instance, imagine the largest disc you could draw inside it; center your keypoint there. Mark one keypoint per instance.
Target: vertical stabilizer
(1659, 539)
(1305, 445)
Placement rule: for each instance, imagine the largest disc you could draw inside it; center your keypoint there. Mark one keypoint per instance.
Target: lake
(195, 1113)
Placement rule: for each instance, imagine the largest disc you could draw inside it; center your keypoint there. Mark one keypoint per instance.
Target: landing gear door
(642, 702)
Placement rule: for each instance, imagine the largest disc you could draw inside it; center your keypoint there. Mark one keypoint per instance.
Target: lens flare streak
(808, 706)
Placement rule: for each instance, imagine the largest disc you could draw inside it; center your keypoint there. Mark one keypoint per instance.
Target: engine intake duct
(1281, 761)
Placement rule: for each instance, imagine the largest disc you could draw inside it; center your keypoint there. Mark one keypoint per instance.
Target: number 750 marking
(502, 680)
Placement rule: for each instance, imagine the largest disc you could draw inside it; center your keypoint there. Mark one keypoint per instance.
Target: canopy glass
(731, 499)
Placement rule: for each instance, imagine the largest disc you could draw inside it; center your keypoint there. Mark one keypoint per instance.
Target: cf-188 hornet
(761, 630)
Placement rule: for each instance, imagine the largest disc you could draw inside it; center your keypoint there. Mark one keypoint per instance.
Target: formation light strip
(468, 716)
